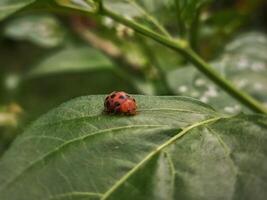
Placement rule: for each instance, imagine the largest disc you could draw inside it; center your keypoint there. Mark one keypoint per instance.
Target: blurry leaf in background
(70, 60)
(174, 148)
(187, 9)
(123, 7)
(217, 28)
(244, 62)
(83, 5)
(7, 7)
(224, 19)
(43, 30)
(69, 73)
(131, 9)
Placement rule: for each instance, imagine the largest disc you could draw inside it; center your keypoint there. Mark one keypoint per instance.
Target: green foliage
(84, 5)
(243, 61)
(8, 7)
(188, 9)
(44, 30)
(173, 148)
(69, 60)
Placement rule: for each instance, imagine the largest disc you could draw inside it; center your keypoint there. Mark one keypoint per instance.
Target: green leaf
(131, 9)
(8, 7)
(123, 7)
(44, 30)
(187, 9)
(174, 148)
(75, 59)
(244, 62)
(91, 6)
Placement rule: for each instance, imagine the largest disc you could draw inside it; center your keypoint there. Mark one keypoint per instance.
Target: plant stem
(213, 75)
(177, 44)
(182, 47)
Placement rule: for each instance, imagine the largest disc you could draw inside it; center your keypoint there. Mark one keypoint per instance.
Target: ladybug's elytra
(120, 103)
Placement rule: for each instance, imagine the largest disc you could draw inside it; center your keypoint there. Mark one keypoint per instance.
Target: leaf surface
(7, 7)
(174, 148)
(43, 30)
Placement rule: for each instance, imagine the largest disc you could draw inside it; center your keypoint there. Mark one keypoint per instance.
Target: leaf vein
(75, 194)
(57, 149)
(180, 134)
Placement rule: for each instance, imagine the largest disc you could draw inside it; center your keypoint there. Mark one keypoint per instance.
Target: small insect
(120, 103)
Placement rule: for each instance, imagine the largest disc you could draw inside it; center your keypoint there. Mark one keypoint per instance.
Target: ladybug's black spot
(122, 97)
(112, 96)
(117, 104)
(134, 100)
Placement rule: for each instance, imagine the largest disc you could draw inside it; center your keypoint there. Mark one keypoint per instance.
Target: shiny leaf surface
(174, 148)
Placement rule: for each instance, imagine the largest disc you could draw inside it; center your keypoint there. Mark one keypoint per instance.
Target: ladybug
(120, 103)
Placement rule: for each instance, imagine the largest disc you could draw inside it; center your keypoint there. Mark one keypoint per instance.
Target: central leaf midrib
(75, 194)
(154, 153)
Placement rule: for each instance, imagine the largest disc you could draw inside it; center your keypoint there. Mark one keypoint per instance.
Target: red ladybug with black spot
(120, 103)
